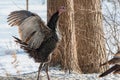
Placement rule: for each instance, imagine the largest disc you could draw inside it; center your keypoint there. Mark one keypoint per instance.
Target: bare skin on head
(61, 10)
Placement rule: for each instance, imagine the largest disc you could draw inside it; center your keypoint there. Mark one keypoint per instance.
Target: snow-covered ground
(19, 65)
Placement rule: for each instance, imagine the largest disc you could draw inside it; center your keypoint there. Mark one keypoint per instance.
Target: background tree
(67, 48)
(82, 35)
(27, 4)
(90, 36)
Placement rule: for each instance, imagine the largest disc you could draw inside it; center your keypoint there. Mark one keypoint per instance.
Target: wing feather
(32, 29)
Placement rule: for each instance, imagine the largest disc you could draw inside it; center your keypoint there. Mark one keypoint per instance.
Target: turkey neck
(52, 23)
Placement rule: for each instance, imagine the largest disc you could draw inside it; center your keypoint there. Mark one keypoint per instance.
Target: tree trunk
(89, 35)
(27, 1)
(67, 46)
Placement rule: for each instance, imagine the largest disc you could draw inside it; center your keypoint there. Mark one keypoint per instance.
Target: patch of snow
(24, 65)
(19, 65)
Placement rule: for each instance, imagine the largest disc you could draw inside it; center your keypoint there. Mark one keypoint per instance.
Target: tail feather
(19, 41)
(112, 61)
(24, 45)
(104, 64)
(117, 71)
(34, 53)
(109, 71)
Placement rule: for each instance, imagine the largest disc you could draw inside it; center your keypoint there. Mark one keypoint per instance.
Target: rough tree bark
(67, 46)
(89, 32)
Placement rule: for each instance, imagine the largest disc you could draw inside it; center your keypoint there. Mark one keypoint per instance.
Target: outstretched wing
(32, 29)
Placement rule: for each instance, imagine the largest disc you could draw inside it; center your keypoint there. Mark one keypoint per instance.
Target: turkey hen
(36, 38)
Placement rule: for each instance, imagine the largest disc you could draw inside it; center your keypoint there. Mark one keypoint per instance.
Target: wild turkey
(37, 39)
(114, 61)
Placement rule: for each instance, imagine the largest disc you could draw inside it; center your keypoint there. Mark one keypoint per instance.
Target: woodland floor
(60, 75)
